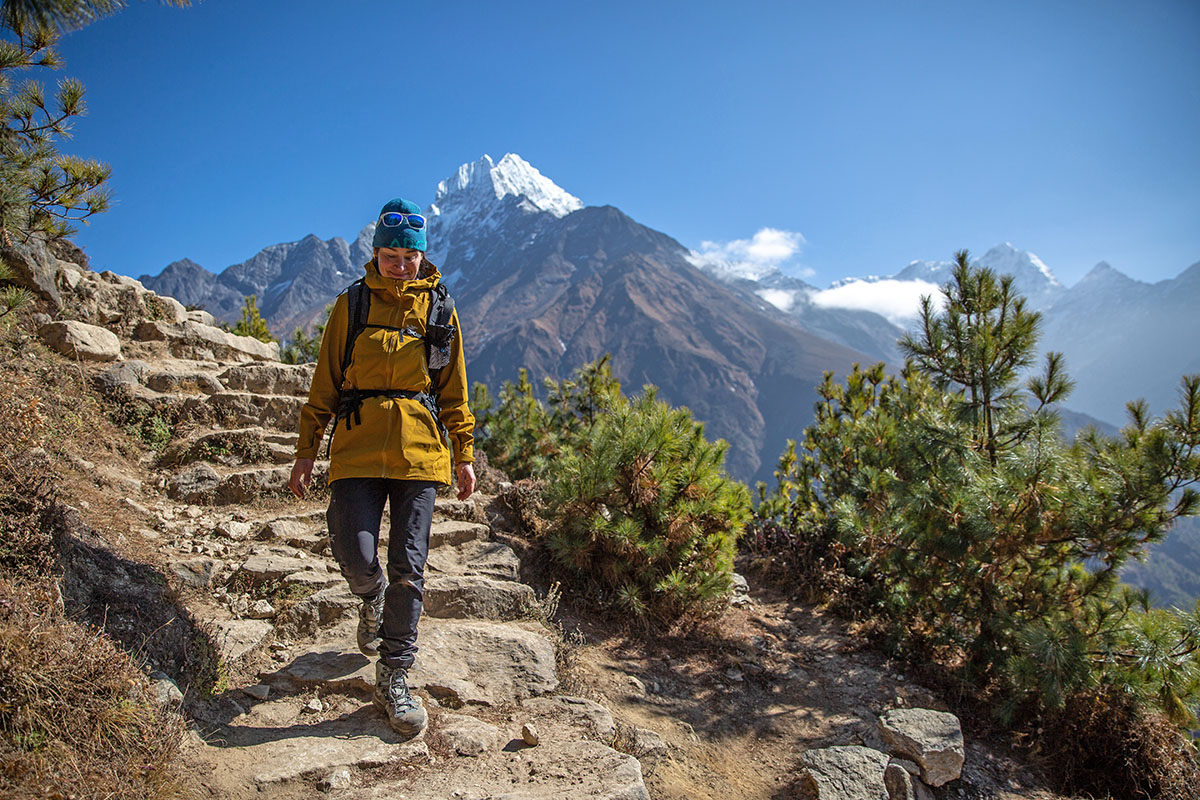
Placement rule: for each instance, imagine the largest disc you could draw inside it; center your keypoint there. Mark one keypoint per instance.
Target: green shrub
(944, 505)
(643, 513)
(252, 322)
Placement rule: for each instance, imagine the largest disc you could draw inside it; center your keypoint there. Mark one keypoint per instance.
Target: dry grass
(1102, 745)
(76, 717)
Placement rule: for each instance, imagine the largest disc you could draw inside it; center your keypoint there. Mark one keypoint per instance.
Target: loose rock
(845, 773)
(76, 339)
(931, 738)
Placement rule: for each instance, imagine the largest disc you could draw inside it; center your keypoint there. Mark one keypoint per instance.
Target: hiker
(392, 378)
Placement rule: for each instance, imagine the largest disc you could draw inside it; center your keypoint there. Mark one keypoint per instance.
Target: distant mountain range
(545, 279)
(545, 283)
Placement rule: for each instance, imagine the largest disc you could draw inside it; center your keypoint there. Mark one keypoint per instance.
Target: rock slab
(931, 738)
(845, 773)
(76, 339)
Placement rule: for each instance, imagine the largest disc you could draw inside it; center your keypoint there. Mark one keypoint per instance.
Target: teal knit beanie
(403, 235)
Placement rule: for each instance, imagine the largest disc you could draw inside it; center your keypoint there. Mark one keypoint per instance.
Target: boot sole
(407, 731)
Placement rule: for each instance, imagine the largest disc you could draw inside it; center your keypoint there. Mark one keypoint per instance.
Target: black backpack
(439, 337)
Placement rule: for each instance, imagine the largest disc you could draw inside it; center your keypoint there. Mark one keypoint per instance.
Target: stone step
(245, 408)
(550, 771)
(283, 743)
(195, 340)
(277, 379)
(475, 557)
(459, 662)
(474, 596)
(204, 484)
(455, 532)
(288, 564)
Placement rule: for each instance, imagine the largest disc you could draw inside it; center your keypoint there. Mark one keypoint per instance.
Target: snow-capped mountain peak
(485, 181)
(1005, 259)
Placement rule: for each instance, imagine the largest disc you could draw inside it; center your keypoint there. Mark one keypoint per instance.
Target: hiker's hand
(466, 481)
(302, 476)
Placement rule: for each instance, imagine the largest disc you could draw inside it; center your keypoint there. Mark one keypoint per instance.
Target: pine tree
(643, 514)
(304, 348)
(12, 298)
(944, 503)
(41, 191)
(252, 323)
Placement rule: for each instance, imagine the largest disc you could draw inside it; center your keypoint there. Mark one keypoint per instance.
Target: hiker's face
(398, 263)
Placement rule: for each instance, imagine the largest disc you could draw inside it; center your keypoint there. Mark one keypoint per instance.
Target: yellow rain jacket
(398, 437)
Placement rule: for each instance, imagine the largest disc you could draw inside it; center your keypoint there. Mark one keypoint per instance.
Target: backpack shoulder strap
(439, 335)
(358, 299)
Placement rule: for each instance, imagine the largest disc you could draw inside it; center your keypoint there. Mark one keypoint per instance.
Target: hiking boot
(370, 615)
(405, 712)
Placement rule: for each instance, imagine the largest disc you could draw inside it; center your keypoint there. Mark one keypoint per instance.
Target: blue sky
(880, 132)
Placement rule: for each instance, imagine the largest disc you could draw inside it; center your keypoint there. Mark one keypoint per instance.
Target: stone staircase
(296, 713)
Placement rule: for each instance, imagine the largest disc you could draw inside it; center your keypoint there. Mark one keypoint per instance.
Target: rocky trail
(295, 709)
(772, 701)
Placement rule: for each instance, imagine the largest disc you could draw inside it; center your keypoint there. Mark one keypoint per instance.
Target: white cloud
(898, 301)
(768, 249)
(783, 299)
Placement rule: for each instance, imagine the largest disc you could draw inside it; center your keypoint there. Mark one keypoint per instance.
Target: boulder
(196, 484)
(233, 529)
(247, 485)
(482, 663)
(469, 736)
(844, 773)
(125, 375)
(34, 268)
(76, 339)
(165, 691)
(235, 638)
(269, 378)
(901, 784)
(320, 610)
(933, 739)
(196, 572)
(466, 596)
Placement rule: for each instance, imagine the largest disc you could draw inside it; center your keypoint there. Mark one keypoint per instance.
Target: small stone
(338, 779)
(648, 745)
(237, 531)
(259, 691)
(261, 609)
(530, 734)
(734, 674)
(165, 690)
(636, 687)
(314, 706)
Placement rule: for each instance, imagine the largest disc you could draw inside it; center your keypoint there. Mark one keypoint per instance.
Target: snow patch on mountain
(480, 195)
(484, 182)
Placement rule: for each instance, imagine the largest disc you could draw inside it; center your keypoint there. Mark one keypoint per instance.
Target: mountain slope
(596, 282)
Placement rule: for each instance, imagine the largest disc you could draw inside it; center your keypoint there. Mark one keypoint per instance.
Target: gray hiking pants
(354, 516)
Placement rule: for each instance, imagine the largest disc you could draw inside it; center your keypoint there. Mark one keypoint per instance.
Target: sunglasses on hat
(394, 219)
